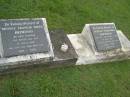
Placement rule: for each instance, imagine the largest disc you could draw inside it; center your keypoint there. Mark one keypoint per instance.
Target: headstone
(100, 42)
(22, 37)
(104, 36)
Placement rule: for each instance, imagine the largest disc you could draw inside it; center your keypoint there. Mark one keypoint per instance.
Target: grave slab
(85, 48)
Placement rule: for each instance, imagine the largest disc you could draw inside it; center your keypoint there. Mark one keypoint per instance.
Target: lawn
(98, 80)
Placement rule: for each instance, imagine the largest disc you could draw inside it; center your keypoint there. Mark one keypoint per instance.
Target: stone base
(58, 38)
(87, 56)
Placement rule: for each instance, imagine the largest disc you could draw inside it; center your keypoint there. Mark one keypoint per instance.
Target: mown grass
(100, 80)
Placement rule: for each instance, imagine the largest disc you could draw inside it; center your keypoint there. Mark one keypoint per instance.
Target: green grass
(100, 80)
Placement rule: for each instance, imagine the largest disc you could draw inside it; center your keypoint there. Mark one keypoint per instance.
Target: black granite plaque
(23, 36)
(105, 37)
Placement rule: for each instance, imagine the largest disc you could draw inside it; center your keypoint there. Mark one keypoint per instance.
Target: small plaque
(23, 36)
(105, 37)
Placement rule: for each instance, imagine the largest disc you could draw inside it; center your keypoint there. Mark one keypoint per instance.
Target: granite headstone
(105, 37)
(22, 37)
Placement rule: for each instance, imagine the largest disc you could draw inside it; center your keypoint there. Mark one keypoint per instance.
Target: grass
(100, 80)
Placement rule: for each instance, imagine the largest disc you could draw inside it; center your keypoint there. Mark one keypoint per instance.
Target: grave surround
(28, 43)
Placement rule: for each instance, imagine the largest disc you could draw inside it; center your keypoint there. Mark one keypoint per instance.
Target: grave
(27, 42)
(100, 42)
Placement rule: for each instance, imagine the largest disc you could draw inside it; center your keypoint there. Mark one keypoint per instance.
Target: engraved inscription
(105, 37)
(20, 37)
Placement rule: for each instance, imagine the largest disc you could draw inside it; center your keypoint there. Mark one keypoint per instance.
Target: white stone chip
(64, 47)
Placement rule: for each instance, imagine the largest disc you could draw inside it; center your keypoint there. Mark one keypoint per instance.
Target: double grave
(27, 42)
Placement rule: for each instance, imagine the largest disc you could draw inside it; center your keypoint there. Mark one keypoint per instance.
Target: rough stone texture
(87, 56)
(58, 38)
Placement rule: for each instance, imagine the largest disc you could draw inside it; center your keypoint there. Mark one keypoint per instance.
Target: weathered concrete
(87, 56)
(58, 38)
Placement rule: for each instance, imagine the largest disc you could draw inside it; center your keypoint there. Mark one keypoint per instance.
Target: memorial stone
(22, 37)
(105, 37)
